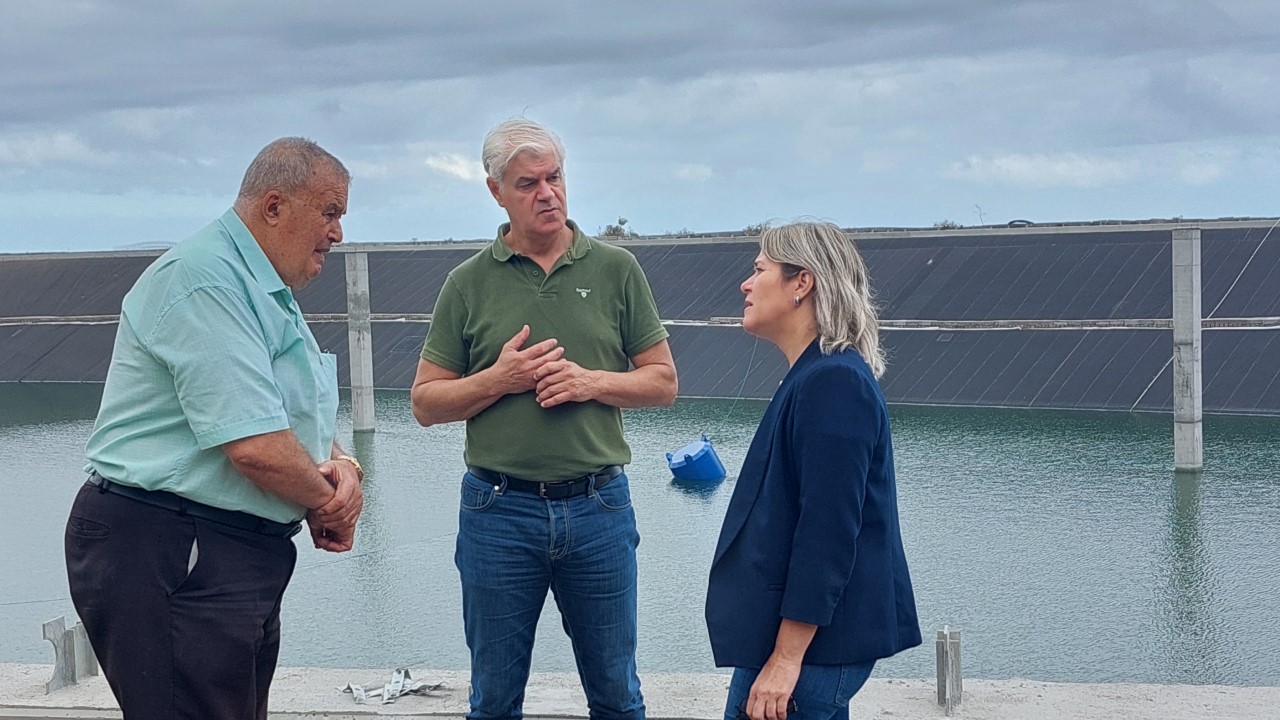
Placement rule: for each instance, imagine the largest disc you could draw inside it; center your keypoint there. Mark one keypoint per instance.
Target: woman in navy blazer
(809, 585)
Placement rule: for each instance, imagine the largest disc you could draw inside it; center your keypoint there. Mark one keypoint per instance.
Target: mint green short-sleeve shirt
(211, 348)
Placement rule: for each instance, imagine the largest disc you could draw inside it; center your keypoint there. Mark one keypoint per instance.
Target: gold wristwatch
(353, 461)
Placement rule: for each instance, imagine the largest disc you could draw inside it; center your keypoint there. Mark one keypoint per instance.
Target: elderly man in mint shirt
(213, 443)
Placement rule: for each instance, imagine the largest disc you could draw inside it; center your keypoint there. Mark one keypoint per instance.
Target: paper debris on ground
(402, 683)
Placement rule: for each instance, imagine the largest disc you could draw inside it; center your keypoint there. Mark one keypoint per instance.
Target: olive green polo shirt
(596, 302)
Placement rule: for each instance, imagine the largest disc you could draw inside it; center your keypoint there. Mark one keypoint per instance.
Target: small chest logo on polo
(583, 291)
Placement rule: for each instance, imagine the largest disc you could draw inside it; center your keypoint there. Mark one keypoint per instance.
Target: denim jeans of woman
(512, 548)
(822, 692)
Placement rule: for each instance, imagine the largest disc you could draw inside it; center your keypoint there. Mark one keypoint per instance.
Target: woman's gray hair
(842, 300)
(514, 136)
(286, 165)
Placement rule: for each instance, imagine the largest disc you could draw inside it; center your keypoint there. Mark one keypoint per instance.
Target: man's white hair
(515, 136)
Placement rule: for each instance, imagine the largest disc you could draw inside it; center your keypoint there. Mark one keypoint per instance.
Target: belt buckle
(542, 490)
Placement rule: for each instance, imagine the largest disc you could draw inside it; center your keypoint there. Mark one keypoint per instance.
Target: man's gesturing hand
(563, 381)
(516, 370)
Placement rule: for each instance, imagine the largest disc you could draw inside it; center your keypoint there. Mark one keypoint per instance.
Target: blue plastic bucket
(696, 461)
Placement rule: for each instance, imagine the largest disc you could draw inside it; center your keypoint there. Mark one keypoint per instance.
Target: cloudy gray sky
(132, 122)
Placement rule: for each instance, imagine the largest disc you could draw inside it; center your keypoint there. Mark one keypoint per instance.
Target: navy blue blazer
(811, 532)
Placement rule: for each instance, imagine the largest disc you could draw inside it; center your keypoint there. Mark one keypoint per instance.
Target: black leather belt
(181, 505)
(558, 490)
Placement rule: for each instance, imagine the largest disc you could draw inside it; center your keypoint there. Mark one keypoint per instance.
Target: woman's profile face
(768, 301)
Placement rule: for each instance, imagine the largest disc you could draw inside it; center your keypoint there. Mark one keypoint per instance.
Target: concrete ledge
(313, 693)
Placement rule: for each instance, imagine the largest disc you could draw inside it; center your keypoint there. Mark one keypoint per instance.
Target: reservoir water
(1061, 544)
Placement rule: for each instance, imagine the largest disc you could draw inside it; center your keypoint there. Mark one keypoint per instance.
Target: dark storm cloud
(64, 59)
(695, 114)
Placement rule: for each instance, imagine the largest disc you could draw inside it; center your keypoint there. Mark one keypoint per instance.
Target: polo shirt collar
(259, 266)
(503, 252)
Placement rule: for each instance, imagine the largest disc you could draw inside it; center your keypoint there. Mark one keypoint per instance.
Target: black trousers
(183, 613)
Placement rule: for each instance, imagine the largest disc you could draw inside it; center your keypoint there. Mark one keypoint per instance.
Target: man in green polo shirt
(213, 441)
(537, 342)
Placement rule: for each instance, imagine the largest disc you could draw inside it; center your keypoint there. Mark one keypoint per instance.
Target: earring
(797, 300)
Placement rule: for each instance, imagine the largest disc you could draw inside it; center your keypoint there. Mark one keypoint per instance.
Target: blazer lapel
(747, 488)
(756, 464)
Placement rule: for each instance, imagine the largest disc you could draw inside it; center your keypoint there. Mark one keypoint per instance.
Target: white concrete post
(86, 660)
(64, 654)
(1188, 406)
(360, 342)
(950, 675)
(73, 658)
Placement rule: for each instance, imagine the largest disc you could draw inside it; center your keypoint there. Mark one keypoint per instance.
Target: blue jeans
(513, 547)
(822, 692)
